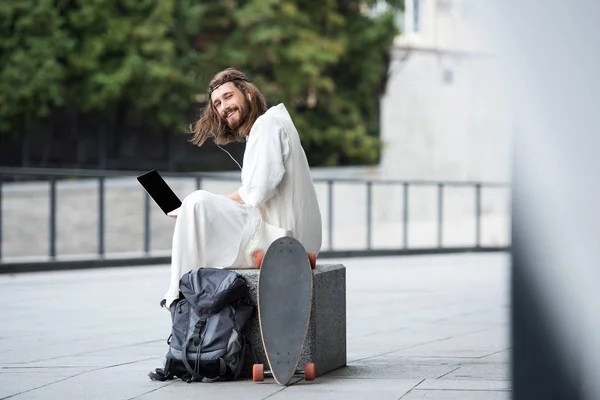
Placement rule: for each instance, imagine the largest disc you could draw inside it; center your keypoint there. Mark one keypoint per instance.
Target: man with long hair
(276, 198)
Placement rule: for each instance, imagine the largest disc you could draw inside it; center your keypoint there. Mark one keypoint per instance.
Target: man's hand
(173, 214)
(235, 196)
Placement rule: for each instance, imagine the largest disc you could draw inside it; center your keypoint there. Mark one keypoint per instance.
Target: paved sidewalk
(428, 327)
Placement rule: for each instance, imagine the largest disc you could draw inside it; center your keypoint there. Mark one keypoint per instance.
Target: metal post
(147, 224)
(330, 212)
(405, 215)
(101, 216)
(369, 214)
(198, 183)
(0, 219)
(102, 147)
(478, 215)
(52, 217)
(440, 214)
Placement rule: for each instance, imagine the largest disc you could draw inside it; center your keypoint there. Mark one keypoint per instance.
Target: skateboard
(284, 303)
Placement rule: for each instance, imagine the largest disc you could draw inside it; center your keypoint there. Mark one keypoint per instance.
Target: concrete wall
(445, 114)
(444, 118)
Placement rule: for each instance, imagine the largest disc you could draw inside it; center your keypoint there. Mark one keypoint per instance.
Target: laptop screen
(160, 192)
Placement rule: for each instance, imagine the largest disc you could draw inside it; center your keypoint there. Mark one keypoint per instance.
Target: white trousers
(210, 231)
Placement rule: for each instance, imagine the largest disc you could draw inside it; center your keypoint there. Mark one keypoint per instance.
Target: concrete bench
(325, 343)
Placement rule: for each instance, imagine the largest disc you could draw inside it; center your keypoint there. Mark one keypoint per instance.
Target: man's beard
(243, 112)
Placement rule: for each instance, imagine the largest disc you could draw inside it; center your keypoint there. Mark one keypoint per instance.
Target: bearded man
(276, 197)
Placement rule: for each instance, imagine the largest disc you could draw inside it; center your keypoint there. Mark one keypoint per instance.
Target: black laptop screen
(160, 192)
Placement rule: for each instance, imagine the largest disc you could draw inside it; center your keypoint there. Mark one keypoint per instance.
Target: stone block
(325, 343)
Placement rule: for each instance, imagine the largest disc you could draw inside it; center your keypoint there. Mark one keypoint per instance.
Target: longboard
(284, 305)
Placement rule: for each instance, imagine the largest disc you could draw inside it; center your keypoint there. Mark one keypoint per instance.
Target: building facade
(444, 114)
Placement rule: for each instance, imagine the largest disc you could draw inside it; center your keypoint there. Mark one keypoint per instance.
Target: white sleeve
(264, 162)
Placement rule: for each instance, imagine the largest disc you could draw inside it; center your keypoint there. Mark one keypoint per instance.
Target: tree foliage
(325, 59)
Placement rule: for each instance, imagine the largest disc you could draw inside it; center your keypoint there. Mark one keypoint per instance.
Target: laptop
(160, 192)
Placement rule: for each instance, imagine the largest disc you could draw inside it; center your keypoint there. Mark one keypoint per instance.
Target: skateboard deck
(284, 305)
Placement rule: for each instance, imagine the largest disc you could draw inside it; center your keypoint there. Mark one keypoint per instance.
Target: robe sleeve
(264, 162)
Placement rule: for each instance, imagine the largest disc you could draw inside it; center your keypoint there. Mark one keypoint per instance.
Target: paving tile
(243, 389)
(457, 395)
(464, 384)
(19, 380)
(336, 388)
(481, 371)
(122, 382)
(392, 368)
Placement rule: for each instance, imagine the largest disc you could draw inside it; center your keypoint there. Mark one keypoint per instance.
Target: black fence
(12, 176)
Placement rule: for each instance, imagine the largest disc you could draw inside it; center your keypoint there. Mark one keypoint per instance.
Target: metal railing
(53, 176)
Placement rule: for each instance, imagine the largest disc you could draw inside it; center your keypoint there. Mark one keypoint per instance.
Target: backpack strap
(197, 340)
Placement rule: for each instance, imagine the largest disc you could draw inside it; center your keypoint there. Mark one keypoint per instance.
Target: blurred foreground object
(549, 54)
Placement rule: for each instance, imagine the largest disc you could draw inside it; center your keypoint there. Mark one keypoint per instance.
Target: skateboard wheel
(258, 372)
(258, 258)
(309, 372)
(312, 257)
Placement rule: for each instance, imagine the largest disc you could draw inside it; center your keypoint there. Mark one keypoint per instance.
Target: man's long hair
(211, 124)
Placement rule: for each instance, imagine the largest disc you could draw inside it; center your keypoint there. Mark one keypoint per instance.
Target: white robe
(280, 199)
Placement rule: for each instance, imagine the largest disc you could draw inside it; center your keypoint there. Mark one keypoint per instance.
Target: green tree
(147, 62)
(125, 56)
(325, 59)
(33, 48)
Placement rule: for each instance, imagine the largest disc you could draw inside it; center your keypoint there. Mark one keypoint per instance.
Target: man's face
(231, 104)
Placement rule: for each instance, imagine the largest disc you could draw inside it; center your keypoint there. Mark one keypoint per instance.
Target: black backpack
(206, 341)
